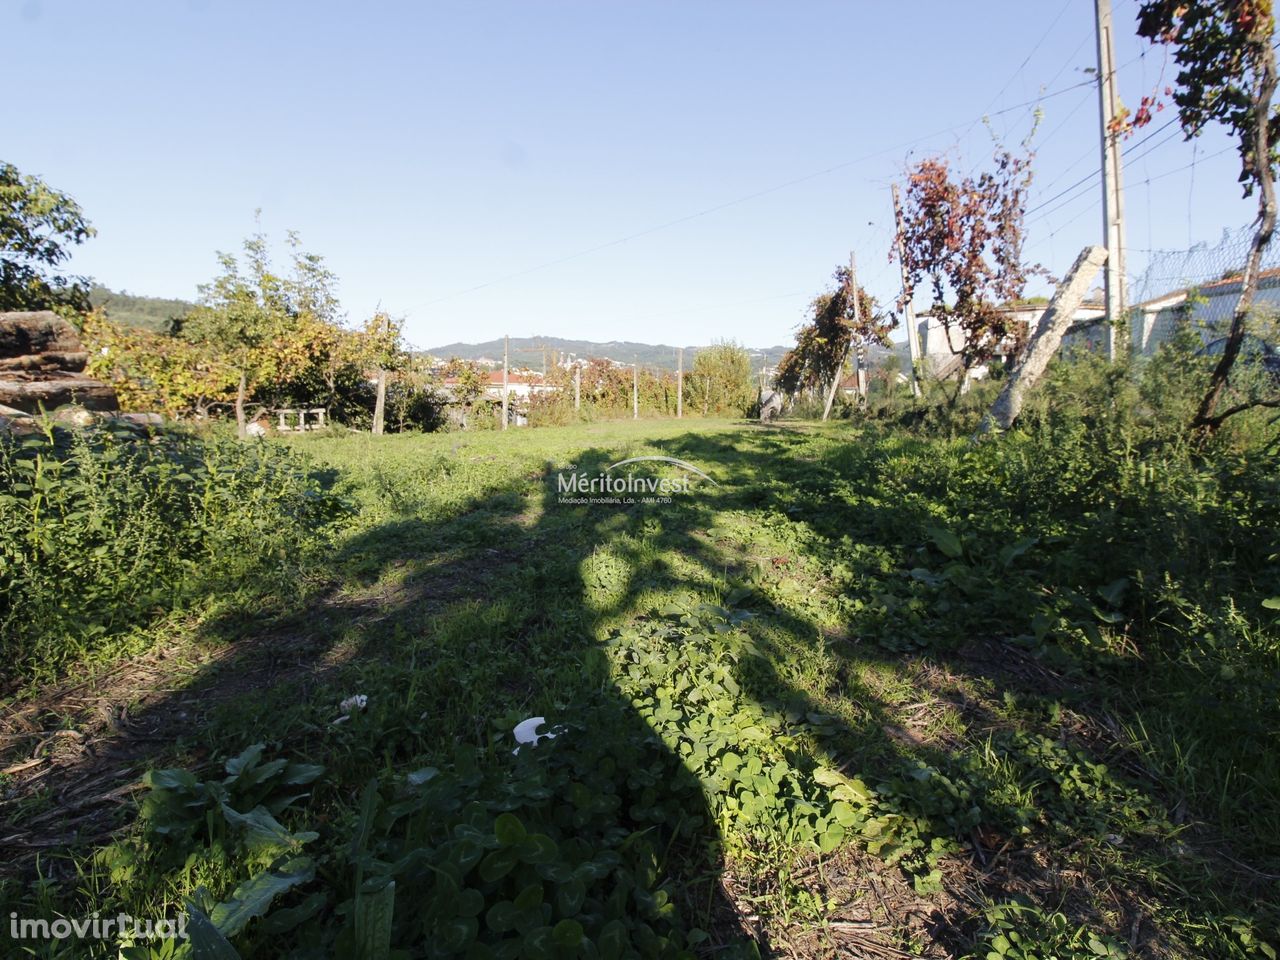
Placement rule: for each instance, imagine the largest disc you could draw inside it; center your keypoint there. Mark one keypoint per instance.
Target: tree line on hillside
(544, 352)
(264, 337)
(130, 310)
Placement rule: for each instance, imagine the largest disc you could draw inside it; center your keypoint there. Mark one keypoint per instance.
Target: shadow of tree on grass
(458, 626)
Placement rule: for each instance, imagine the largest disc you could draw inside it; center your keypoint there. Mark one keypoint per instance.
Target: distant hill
(130, 310)
(529, 351)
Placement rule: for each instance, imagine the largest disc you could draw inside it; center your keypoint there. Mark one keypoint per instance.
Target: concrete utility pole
(679, 382)
(506, 344)
(577, 386)
(635, 391)
(1112, 179)
(908, 310)
(1053, 326)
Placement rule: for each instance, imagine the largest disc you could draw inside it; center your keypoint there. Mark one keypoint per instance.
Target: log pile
(42, 365)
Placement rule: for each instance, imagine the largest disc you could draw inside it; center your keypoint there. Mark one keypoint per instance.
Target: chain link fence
(1201, 284)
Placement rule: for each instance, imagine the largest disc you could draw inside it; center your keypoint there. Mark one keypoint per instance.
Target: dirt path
(72, 758)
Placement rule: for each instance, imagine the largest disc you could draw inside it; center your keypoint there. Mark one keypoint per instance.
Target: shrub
(101, 530)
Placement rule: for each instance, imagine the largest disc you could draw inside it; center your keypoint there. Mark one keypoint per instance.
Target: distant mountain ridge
(529, 351)
(133, 310)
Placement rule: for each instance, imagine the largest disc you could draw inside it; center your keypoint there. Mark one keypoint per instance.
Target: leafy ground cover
(873, 692)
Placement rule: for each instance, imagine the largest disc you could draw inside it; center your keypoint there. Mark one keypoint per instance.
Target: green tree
(272, 328)
(721, 379)
(154, 371)
(38, 228)
(1226, 74)
(470, 380)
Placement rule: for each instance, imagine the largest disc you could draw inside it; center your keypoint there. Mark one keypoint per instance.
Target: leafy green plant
(102, 529)
(1016, 931)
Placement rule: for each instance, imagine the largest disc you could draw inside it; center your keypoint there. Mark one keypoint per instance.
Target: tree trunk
(241, 390)
(1261, 106)
(30, 392)
(27, 332)
(380, 404)
(70, 362)
(1054, 323)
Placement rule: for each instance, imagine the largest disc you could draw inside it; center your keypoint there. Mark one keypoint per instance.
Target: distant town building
(940, 348)
(521, 385)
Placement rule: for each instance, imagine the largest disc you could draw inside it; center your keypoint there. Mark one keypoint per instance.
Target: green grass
(1029, 686)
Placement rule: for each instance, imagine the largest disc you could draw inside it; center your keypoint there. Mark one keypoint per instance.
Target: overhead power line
(1159, 176)
(737, 201)
(1090, 178)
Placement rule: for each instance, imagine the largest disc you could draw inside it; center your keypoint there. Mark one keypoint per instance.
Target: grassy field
(866, 692)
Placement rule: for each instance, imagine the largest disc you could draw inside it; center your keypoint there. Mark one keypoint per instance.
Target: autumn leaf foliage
(963, 238)
(1222, 49)
(835, 331)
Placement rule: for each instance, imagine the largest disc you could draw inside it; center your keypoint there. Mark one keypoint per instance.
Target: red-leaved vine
(964, 237)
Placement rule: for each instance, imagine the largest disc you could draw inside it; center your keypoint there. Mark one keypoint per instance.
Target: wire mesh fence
(1201, 284)
(1171, 270)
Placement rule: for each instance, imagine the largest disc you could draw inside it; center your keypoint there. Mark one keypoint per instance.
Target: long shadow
(467, 623)
(458, 627)
(966, 644)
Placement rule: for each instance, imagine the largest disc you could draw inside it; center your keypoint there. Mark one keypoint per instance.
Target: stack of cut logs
(42, 365)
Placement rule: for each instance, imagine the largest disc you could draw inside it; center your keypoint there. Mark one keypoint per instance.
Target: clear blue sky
(428, 148)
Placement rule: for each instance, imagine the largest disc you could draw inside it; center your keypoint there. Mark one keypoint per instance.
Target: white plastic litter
(350, 706)
(526, 733)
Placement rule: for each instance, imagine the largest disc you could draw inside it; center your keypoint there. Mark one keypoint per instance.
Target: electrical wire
(727, 204)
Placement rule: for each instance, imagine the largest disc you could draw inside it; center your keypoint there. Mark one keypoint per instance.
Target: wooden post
(635, 391)
(1055, 322)
(379, 405)
(577, 387)
(851, 290)
(1112, 179)
(679, 382)
(506, 343)
(241, 390)
(908, 309)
